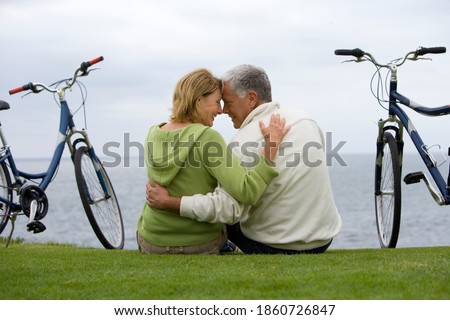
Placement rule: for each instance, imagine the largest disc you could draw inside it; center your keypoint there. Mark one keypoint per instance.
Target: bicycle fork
(413, 177)
(397, 128)
(92, 155)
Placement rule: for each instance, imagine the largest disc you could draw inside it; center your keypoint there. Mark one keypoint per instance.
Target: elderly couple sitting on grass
(267, 192)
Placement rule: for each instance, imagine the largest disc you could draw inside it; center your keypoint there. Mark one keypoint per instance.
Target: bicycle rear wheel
(388, 192)
(102, 209)
(6, 193)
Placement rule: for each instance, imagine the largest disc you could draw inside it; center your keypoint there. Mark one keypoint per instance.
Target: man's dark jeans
(250, 246)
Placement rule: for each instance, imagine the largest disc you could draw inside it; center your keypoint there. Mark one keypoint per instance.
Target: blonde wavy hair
(188, 90)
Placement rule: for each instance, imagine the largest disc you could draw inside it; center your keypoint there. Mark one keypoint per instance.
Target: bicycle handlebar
(435, 50)
(361, 55)
(85, 65)
(358, 53)
(26, 87)
(34, 86)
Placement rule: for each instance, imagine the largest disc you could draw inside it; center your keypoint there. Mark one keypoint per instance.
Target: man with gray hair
(297, 212)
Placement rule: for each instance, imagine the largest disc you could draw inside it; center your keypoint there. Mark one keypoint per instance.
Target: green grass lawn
(51, 271)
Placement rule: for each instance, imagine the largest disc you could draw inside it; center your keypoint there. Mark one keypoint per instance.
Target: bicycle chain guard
(30, 193)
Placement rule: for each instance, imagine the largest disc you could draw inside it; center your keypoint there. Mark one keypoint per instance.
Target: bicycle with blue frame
(94, 186)
(389, 153)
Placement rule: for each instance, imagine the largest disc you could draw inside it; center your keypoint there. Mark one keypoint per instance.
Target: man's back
(297, 210)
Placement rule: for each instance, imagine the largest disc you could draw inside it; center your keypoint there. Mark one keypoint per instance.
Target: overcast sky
(148, 45)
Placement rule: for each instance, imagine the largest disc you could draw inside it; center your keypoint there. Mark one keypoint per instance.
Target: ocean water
(424, 223)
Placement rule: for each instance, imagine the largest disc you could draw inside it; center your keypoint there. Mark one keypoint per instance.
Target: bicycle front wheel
(5, 193)
(99, 200)
(388, 192)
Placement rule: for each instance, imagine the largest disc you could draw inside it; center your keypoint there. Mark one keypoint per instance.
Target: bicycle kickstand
(13, 220)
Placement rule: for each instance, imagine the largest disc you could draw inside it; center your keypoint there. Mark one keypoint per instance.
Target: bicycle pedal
(36, 227)
(414, 177)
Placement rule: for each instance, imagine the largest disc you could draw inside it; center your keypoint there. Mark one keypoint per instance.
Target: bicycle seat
(4, 105)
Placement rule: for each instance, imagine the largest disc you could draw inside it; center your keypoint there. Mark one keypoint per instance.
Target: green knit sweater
(190, 161)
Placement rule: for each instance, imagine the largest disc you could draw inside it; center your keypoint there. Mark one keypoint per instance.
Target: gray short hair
(245, 78)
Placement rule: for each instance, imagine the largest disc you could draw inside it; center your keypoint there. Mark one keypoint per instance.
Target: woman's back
(174, 160)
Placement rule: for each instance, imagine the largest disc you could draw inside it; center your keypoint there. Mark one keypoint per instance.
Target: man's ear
(253, 99)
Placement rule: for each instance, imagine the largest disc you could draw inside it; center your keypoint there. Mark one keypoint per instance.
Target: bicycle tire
(103, 213)
(5, 192)
(388, 192)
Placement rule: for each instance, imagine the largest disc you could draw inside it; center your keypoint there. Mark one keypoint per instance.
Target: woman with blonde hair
(188, 157)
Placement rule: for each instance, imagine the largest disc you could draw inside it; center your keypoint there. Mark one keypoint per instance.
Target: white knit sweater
(297, 211)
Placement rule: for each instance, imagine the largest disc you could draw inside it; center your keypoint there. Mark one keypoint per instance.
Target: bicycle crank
(33, 200)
